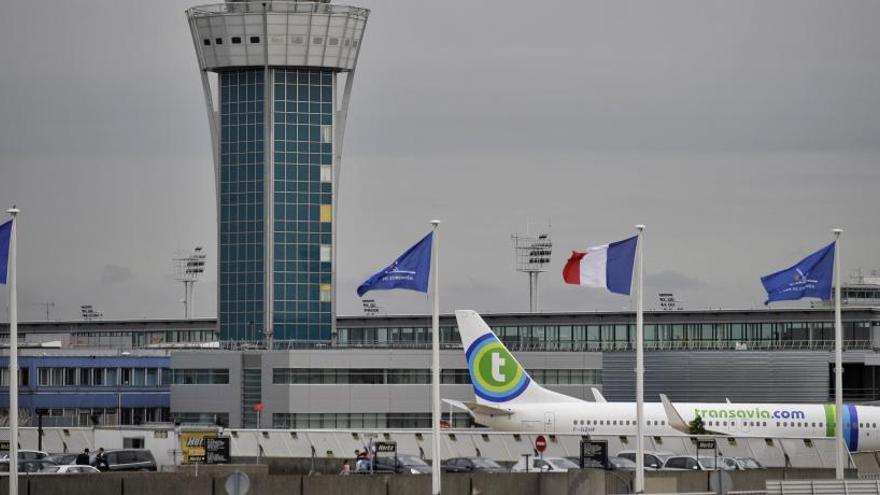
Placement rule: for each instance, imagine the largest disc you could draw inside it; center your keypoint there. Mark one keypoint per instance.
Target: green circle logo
(496, 376)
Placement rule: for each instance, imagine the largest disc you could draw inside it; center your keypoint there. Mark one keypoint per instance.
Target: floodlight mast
(533, 253)
(187, 270)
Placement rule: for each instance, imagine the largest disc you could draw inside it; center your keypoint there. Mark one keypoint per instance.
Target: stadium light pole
(640, 366)
(838, 358)
(435, 364)
(13, 355)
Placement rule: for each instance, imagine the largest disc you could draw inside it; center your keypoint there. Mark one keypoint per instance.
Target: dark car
(472, 464)
(402, 464)
(129, 460)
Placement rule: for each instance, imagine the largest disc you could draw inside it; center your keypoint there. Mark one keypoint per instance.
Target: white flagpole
(13, 358)
(640, 368)
(435, 364)
(838, 359)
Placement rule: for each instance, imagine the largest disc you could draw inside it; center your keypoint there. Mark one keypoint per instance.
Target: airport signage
(541, 443)
(192, 445)
(708, 444)
(594, 454)
(217, 450)
(386, 447)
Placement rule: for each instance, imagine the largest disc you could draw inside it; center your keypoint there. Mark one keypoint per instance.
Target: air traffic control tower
(277, 77)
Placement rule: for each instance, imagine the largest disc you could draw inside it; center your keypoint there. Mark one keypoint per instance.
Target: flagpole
(838, 358)
(13, 358)
(435, 365)
(640, 369)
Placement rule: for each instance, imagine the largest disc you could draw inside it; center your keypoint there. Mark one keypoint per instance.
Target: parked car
(69, 469)
(748, 463)
(653, 460)
(26, 455)
(30, 466)
(471, 464)
(547, 465)
(129, 460)
(402, 464)
(63, 459)
(618, 463)
(704, 463)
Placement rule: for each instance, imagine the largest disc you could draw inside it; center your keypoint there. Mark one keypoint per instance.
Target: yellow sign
(192, 444)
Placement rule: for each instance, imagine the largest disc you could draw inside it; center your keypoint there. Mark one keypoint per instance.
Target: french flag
(609, 266)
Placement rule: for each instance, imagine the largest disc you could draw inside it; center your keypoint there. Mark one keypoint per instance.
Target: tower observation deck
(277, 78)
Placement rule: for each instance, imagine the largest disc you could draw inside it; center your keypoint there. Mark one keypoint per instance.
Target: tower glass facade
(242, 205)
(302, 217)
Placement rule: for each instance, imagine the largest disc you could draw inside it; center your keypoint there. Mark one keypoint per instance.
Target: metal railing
(281, 7)
(520, 346)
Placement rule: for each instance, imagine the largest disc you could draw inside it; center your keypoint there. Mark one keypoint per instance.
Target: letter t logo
(497, 363)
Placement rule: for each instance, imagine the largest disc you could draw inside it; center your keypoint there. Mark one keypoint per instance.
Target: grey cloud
(115, 274)
(672, 280)
(739, 132)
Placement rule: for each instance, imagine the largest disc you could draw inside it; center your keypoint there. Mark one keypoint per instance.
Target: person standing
(101, 460)
(83, 458)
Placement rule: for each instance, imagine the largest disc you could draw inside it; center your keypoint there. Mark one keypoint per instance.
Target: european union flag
(410, 271)
(5, 236)
(811, 277)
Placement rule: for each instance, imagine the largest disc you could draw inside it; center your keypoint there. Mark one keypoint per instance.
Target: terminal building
(375, 370)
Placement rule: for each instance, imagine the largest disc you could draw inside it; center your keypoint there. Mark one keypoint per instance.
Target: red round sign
(540, 443)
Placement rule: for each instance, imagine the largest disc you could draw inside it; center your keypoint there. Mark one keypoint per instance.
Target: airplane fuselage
(861, 424)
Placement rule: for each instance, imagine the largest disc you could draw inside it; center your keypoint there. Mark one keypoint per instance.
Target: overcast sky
(739, 132)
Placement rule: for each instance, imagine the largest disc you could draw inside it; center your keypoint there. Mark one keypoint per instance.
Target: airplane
(508, 399)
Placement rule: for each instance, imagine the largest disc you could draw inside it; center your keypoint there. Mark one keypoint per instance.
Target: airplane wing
(474, 408)
(674, 418)
(597, 396)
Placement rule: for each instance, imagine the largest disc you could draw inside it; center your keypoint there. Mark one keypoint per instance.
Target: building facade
(277, 78)
(375, 371)
(77, 387)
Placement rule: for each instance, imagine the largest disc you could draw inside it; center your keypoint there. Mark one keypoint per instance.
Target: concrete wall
(593, 482)
(209, 398)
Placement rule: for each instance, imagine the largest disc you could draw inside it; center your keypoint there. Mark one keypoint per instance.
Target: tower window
(326, 173)
(317, 40)
(326, 213)
(207, 42)
(218, 41)
(333, 41)
(326, 293)
(236, 40)
(325, 253)
(255, 39)
(296, 40)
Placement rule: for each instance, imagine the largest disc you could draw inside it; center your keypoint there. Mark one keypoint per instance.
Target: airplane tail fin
(497, 377)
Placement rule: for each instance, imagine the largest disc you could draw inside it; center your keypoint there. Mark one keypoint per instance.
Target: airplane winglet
(672, 415)
(597, 396)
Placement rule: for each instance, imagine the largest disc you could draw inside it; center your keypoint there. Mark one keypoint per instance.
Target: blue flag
(5, 236)
(410, 271)
(811, 277)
